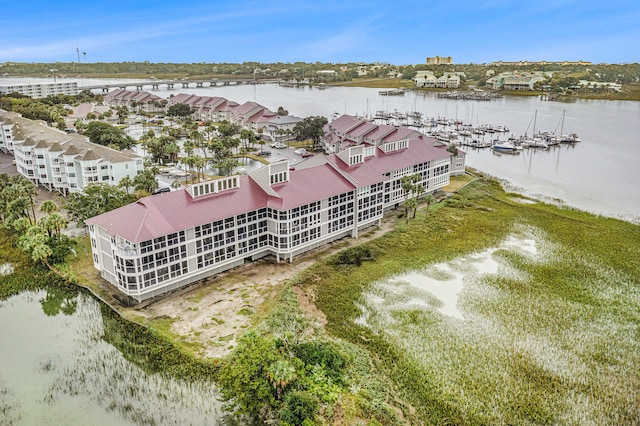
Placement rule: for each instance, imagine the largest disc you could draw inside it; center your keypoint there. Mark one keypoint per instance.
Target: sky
(402, 32)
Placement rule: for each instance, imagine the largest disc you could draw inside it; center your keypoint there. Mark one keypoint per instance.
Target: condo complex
(62, 162)
(167, 241)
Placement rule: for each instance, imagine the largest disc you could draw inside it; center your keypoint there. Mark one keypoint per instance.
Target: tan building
(437, 60)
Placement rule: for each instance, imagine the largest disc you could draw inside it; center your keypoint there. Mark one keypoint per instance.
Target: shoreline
(378, 82)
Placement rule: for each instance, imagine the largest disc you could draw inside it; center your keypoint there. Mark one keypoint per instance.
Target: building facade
(437, 60)
(42, 90)
(167, 241)
(59, 161)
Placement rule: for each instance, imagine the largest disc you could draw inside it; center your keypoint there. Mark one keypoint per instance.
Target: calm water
(56, 369)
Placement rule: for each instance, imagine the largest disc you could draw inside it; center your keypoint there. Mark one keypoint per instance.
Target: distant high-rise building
(438, 60)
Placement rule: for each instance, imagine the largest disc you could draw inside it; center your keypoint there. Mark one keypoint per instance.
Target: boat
(506, 148)
(571, 137)
(394, 92)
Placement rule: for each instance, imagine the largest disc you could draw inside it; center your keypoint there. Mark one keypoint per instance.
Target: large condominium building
(437, 60)
(42, 90)
(59, 161)
(347, 131)
(167, 241)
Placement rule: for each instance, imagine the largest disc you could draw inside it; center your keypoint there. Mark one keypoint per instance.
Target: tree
(49, 207)
(34, 242)
(311, 128)
(17, 198)
(410, 204)
(281, 373)
(408, 186)
(126, 183)
(105, 134)
(430, 199)
(176, 184)
(53, 224)
(243, 379)
(179, 110)
(282, 111)
(146, 181)
(95, 199)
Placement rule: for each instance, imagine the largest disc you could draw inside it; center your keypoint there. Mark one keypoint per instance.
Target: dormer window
(355, 159)
(214, 186)
(279, 177)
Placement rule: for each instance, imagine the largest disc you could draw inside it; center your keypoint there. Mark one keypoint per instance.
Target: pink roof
(382, 131)
(345, 122)
(362, 129)
(308, 185)
(170, 212)
(419, 151)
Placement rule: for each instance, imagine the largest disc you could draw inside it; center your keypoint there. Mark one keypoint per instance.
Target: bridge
(170, 84)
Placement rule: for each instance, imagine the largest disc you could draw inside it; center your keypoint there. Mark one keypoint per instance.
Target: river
(596, 175)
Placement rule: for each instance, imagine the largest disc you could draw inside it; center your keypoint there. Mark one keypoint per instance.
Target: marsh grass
(551, 338)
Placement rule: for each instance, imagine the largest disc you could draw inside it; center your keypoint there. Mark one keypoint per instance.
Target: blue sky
(400, 32)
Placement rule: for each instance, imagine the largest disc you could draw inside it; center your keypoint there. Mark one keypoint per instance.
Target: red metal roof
(169, 212)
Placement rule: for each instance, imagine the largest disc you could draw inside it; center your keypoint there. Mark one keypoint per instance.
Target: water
(55, 368)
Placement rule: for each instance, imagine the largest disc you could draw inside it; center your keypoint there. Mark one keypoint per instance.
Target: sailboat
(571, 137)
(535, 141)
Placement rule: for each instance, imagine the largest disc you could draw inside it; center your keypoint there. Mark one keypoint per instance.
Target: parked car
(278, 145)
(263, 153)
(300, 151)
(307, 154)
(161, 190)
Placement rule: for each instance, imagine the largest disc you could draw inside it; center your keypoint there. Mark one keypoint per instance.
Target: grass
(377, 82)
(539, 346)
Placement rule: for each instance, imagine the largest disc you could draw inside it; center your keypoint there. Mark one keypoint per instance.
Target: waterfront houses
(249, 115)
(166, 241)
(59, 161)
(135, 99)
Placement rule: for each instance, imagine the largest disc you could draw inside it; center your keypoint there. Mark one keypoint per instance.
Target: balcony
(126, 252)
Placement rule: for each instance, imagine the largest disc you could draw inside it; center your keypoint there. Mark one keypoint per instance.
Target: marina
(596, 175)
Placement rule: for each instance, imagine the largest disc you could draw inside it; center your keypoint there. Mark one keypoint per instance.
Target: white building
(425, 79)
(59, 161)
(42, 90)
(167, 241)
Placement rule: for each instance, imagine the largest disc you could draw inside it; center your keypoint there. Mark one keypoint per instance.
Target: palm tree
(176, 184)
(430, 199)
(57, 222)
(34, 242)
(49, 207)
(410, 205)
(281, 373)
(126, 182)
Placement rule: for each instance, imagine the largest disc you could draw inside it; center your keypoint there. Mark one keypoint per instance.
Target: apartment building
(166, 241)
(438, 60)
(135, 99)
(59, 161)
(42, 90)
